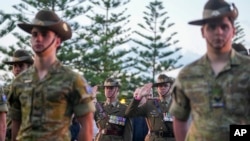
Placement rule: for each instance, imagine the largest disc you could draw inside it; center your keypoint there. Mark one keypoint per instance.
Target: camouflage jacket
(214, 101)
(45, 107)
(3, 101)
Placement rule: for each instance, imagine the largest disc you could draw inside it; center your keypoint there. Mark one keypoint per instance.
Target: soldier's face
(163, 88)
(18, 68)
(218, 33)
(44, 41)
(111, 92)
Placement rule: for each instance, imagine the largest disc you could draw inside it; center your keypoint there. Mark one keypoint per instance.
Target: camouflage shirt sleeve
(15, 106)
(180, 103)
(83, 101)
(3, 103)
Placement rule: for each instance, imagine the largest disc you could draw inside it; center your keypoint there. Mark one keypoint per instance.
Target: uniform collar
(112, 103)
(234, 59)
(166, 99)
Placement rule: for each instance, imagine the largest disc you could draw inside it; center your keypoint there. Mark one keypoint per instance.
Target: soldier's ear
(202, 31)
(234, 31)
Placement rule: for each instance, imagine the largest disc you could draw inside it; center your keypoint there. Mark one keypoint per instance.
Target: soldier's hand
(143, 91)
(94, 92)
(136, 93)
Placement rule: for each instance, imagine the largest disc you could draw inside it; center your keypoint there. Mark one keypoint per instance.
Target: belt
(161, 133)
(111, 132)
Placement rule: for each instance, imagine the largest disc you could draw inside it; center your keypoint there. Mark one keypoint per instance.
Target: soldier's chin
(163, 94)
(110, 96)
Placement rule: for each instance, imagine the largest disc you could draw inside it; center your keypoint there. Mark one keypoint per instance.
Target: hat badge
(65, 27)
(215, 13)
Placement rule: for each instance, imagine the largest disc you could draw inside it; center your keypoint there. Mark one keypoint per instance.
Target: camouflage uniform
(23, 57)
(8, 131)
(3, 108)
(3, 102)
(112, 123)
(214, 102)
(45, 107)
(157, 116)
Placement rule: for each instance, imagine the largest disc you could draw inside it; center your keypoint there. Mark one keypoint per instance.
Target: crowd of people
(47, 101)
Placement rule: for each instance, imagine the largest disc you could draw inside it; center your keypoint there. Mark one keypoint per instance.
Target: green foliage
(24, 12)
(105, 35)
(100, 31)
(239, 36)
(157, 44)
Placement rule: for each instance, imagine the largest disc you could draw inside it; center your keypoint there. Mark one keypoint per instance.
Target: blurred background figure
(21, 61)
(155, 110)
(110, 116)
(74, 129)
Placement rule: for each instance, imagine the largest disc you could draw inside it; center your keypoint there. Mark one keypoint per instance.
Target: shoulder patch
(89, 89)
(3, 98)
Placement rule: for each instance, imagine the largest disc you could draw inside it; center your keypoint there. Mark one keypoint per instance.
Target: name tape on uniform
(239, 132)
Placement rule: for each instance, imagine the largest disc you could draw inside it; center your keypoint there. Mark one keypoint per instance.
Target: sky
(180, 12)
(191, 41)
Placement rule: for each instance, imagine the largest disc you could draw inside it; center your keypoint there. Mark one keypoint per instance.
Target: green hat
(110, 82)
(49, 19)
(20, 56)
(215, 9)
(162, 78)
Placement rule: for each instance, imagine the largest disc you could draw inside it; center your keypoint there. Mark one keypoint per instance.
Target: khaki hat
(49, 19)
(20, 56)
(110, 82)
(162, 78)
(215, 9)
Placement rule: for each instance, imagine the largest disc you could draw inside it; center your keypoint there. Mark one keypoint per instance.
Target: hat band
(214, 13)
(14, 59)
(43, 23)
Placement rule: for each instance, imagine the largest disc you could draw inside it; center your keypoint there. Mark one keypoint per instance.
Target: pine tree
(155, 50)
(107, 33)
(94, 50)
(239, 35)
(70, 11)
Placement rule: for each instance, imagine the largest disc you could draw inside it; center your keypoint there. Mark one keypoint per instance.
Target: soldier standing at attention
(214, 89)
(155, 110)
(44, 98)
(20, 62)
(110, 116)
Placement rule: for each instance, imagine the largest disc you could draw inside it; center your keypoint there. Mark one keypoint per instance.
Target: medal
(164, 116)
(169, 116)
(117, 120)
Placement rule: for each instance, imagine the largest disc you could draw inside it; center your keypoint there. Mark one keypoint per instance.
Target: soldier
(44, 98)
(155, 110)
(110, 116)
(21, 61)
(3, 111)
(215, 88)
